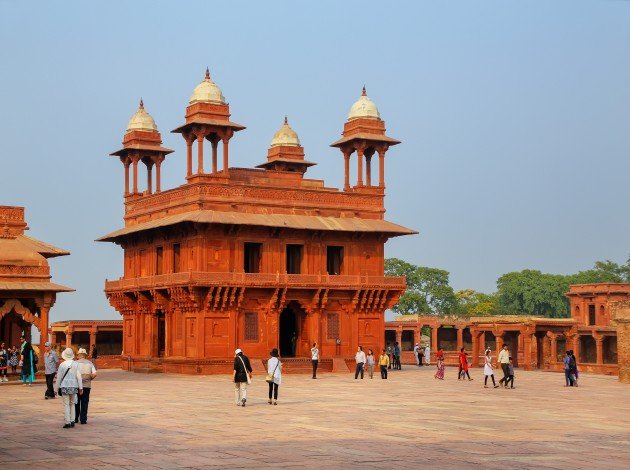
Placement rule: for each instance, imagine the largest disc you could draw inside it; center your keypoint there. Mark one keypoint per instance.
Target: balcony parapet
(269, 280)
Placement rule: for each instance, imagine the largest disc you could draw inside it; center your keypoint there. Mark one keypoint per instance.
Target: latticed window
(251, 326)
(333, 326)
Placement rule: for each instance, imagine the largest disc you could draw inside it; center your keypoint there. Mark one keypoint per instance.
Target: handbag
(249, 379)
(270, 377)
(59, 384)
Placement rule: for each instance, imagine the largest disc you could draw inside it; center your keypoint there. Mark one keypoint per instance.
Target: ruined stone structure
(534, 342)
(26, 293)
(250, 258)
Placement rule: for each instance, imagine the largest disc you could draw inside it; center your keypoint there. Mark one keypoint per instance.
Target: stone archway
(291, 330)
(16, 306)
(15, 319)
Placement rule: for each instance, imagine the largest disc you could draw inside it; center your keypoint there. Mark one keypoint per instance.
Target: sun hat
(67, 354)
(82, 351)
(237, 352)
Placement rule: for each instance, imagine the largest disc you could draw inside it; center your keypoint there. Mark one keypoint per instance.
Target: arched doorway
(289, 332)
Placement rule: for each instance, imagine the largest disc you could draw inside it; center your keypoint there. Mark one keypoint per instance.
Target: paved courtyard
(409, 421)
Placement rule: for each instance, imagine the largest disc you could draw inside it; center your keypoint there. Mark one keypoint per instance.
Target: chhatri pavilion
(26, 291)
(251, 258)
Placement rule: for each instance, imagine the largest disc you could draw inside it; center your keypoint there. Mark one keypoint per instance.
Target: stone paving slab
(163, 421)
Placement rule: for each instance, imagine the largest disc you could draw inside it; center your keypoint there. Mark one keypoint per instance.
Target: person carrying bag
(274, 375)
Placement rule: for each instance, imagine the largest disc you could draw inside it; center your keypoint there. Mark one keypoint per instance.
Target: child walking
(510, 378)
(370, 363)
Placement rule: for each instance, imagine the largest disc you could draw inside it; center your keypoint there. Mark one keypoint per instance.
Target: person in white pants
(70, 386)
(242, 376)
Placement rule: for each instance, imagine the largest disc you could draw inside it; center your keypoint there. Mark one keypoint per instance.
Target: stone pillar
(69, 332)
(475, 348)
(621, 318)
(215, 144)
(360, 167)
(527, 350)
(482, 343)
(127, 163)
(460, 337)
(158, 174)
(399, 337)
(135, 174)
(576, 346)
(200, 138)
(599, 343)
(189, 144)
(346, 178)
(225, 155)
(92, 341)
(381, 168)
(43, 333)
(368, 169)
(434, 338)
(553, 338)
(149, 165)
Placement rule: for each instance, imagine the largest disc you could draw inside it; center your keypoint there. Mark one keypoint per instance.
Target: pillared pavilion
(251, 258)
(26, 292)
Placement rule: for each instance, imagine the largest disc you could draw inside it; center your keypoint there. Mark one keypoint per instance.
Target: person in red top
(463, 364)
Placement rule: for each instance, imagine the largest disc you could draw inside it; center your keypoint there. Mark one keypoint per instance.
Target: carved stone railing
(256, 280)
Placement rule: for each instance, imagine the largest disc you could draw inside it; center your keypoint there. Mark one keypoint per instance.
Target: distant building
(534, 342)
(250, 258)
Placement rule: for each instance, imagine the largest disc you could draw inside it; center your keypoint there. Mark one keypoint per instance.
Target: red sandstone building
(250, 258)
(534, 342)
(26, 293)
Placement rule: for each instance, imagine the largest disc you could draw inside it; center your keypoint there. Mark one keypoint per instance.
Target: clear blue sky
(514, 117)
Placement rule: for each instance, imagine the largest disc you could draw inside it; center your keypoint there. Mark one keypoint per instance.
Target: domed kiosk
(26, 292)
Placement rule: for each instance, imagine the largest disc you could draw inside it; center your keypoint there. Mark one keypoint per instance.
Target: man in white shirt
(504, 361)
(359, 358)
(315, 359)
(88, 373)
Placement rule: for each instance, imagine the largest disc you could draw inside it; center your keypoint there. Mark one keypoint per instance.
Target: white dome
(141, 121)
(207, 92)
(285, 136)
(364, 107)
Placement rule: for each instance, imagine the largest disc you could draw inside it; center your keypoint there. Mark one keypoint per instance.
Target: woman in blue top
(27, 357)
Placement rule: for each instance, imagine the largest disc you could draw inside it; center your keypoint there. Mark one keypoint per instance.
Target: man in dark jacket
(242, 375)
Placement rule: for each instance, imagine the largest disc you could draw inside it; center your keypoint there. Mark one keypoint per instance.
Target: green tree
(531, 292)
(428, 289)
(603, 271)
(475, 304)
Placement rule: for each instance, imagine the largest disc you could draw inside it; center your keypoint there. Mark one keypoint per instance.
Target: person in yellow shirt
(383, 362)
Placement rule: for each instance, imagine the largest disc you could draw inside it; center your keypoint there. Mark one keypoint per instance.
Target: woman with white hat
(69, 385)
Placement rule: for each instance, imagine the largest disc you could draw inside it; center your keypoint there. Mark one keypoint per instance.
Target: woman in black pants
(274, 375)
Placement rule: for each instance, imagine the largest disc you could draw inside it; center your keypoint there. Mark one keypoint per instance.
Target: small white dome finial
(364, 107)
(207, 92)
(141, 120)
(285, 136)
